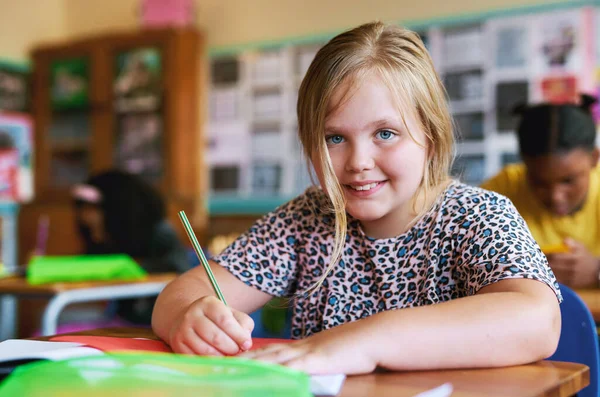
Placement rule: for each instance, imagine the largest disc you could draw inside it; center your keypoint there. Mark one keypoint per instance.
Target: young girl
(390, 263)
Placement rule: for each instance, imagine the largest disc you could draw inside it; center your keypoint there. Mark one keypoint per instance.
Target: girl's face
(561, 181)
(376, 161)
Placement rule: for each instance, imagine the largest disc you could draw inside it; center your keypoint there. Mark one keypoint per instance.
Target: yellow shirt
(546, 228)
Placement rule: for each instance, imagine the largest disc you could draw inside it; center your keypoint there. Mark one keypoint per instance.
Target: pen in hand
(201, 257)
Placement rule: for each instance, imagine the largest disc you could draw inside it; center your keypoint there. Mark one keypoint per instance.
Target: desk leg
(8, 314)
(51, 314)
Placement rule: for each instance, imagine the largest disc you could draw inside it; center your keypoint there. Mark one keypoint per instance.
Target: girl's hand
(577, 268)
(209, 327)
(344, 349)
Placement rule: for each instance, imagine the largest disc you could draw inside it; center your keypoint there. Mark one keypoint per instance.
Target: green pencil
(200, 254)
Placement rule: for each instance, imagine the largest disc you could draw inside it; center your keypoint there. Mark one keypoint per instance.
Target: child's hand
(577, 268)
(334, 351)
(209, 327)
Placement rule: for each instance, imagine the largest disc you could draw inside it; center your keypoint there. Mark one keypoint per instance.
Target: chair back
(578, 338)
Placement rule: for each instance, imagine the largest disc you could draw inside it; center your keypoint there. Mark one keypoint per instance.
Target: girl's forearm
(487, 330)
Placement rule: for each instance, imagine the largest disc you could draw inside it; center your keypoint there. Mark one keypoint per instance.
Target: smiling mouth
(368, 186)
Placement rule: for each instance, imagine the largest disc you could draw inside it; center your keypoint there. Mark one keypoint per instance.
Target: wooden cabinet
(124, 100)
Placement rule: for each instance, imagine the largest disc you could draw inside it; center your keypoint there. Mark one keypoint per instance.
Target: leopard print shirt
(469, 239)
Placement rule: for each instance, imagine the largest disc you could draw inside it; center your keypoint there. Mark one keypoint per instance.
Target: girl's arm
(510, 322)
(182, 297)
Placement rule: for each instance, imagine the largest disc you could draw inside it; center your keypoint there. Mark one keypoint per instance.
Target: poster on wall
(138, 146)
(266, 178)
(137, 86)
(16, 135)
(511, 47)
(469, 169)
(463, 46)
(9, 172)
(559, 41)
(70, 84)
(596, 93)
(559, 89)
(14, 89)
(229, 143)
(225, 178)
(508, 95)
(469, 126)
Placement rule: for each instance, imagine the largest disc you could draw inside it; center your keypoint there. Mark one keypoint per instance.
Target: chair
(578, 338)
(272, 321)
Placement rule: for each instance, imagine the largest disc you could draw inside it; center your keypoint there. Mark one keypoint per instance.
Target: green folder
(51, 269)
(155, 374)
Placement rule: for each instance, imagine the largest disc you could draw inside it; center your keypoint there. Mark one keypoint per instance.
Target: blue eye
(334, 139)
(385, 134)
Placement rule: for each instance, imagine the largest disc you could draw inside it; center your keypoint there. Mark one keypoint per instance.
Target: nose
(360, 159)
(558, 195)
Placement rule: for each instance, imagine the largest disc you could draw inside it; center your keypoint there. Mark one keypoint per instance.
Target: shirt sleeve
(495, 244)
(265, 257)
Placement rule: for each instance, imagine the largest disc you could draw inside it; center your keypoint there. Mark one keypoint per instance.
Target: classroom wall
(226, 22)
(25, 22)
(229, 22)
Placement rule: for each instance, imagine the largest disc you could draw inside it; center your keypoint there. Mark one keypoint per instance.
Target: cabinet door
(137, 110)
(64, 119)
(154, 79)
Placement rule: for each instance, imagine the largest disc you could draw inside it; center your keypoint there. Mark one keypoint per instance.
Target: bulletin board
(489, 63)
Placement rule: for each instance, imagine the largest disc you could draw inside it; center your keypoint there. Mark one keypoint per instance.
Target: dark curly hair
(556, 129)
(131, 208)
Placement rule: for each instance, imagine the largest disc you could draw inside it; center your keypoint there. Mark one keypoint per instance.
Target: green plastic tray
(155, 375)
(51, 269)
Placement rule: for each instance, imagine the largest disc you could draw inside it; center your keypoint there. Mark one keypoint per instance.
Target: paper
(560, 41)
(20, 349)
(444, 390)
(326, 385)
(511, 47)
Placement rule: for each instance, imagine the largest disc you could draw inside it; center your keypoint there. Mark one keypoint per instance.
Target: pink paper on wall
(9, 169)
(167, 13)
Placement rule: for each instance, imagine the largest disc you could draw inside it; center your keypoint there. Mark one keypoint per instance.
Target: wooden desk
(63, 294)
(545, 378)
(591, 297)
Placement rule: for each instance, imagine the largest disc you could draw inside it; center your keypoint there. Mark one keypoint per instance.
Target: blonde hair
(399, 57)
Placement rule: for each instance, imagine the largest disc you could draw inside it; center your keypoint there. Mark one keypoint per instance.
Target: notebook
(14, 352)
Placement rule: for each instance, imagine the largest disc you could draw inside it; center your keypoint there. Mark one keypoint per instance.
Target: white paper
(228, 143)
(463, 47)
(326, 385)
(20, 349)
(444, 390)
(267, 145)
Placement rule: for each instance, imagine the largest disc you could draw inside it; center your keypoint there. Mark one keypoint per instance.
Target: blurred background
(198, 98)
